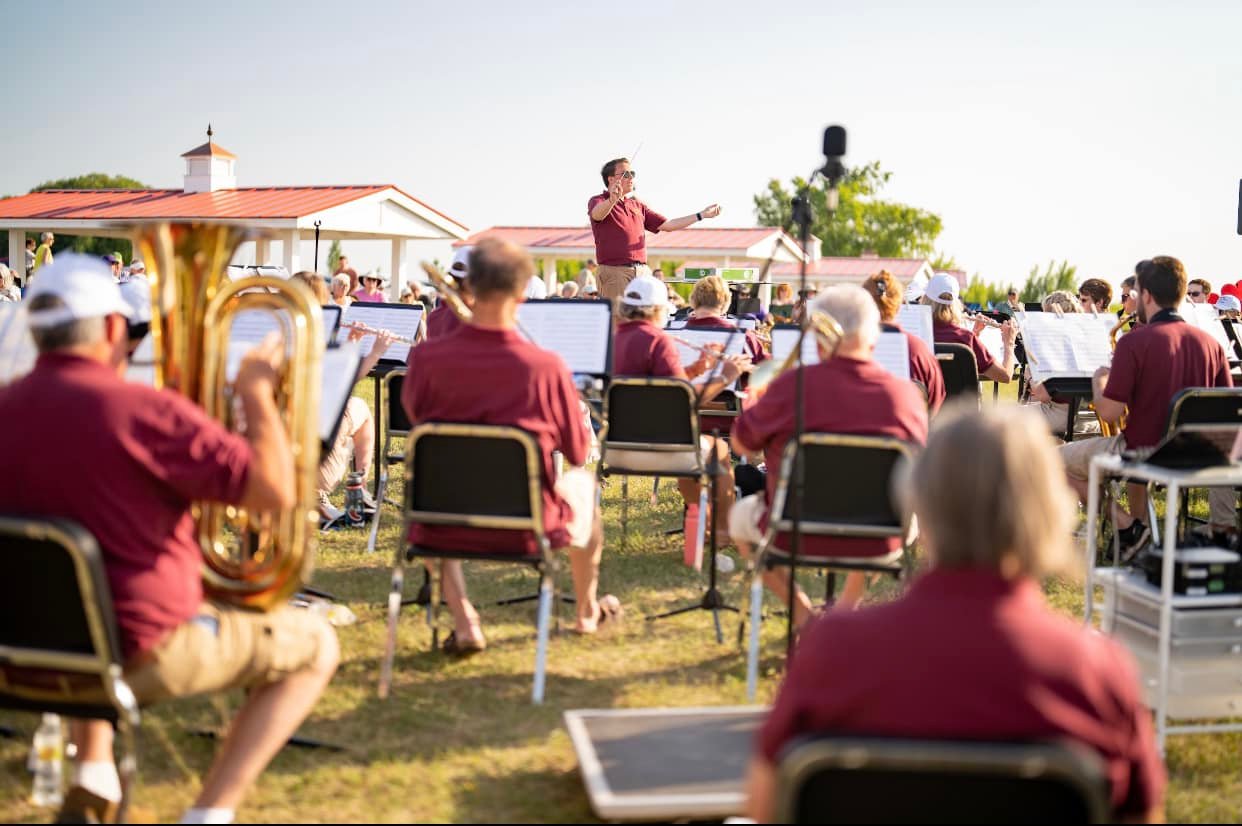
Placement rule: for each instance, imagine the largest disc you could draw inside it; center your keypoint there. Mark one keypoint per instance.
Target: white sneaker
(327, 513)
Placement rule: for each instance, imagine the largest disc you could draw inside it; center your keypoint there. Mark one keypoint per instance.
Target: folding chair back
(961, 373)
(59, 645)
(864, 780)
(1206, 405)
(650, 413)
(396, 423)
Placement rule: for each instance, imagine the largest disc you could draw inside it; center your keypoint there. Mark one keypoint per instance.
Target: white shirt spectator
(535, 288)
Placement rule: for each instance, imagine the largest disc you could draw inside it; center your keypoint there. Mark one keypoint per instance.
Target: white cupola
(209, 167)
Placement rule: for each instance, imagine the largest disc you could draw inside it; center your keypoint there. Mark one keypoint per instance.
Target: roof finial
(209, 133)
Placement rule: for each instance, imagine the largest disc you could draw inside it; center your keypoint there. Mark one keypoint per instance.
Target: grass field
(459, 740)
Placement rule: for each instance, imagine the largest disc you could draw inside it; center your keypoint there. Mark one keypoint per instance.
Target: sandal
(461, 648)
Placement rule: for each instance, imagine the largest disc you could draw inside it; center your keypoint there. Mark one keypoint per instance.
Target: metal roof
(572, 239)
(840, 267)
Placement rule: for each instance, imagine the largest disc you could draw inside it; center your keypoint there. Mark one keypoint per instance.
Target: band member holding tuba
(923, 367)
(846, 392)
(148, 455)
(487, 373)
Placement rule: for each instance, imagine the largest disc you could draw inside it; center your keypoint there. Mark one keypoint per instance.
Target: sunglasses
(1194, 294)
(629, 173)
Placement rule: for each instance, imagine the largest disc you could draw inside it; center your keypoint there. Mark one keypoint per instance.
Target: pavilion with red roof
(210, 194)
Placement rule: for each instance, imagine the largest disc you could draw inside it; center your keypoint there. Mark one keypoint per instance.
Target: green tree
(863, 222)
(86, 244)
(1055, 276)
(334, 255)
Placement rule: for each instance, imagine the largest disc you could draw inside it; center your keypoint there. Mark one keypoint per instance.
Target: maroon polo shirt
(441, 321)
(952, 334)
(841, 395)
(923, 367)
(753, 348)
(496, 377)
(124, 461)
(621, 238)
(1152, 363)
(967, 655)
(641, 348)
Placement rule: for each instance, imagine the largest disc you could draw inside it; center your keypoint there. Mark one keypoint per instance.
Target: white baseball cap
(460, 267)
(137, 266)
(1228, 303)
(938, 285)
(645, 291)
(137, 294)
(83, 283)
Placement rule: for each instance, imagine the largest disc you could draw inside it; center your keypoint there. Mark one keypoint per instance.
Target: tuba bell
(253, 560)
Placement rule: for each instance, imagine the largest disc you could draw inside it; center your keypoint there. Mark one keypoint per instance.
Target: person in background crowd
(1229, 307)
(43, 255)
(343, 268)
(8, 289)
(536, 288)
(30, 259)
(911, 668)
(1095, 295)
(658, 273)
(1198, 290)
(569, 289)
(137, 268)
(782, 304)
(370, 290)
(314, 281)
(340, 290)
(114, 261)
(586, 277)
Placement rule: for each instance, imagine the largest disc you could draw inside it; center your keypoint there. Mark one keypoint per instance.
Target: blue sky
(1100, 133)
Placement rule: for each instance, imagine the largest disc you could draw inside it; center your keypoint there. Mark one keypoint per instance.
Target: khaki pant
(613, 280)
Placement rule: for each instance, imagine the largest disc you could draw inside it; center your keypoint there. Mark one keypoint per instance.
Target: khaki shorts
(224, 647)
(577, 487)
(650, 461)
(334, 463)
(1077, 455)
(613, 280)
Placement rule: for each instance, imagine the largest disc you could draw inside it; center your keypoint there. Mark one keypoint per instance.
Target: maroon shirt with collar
(641, 348)
(841, 395)
(754, 348)
(124, 461)
(965, 654)
(441, 321)
(952, 334)
(481, 376)
(923, 367)
(1155, 361)
(621, 238)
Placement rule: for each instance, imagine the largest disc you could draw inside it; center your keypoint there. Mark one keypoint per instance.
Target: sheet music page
(733, 342)
(331, 322)
(577, 331)
(252, 326)
(892, 352)
(1205, 317)
(17, 348)
(916, 319)
(1072, 345)
(676, 324)
(402, 319)
(990, 338)
(340, 369)
(785, 339)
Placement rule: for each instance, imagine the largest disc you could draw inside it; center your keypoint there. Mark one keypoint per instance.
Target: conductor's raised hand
(710, 211)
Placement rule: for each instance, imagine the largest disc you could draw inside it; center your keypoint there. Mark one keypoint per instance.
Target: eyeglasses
(1197, 294)
(629, 173)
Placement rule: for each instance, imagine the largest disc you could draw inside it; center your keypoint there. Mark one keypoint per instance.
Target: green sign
(727, 273)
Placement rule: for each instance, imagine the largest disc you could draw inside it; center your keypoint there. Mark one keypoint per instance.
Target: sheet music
(340, 371)
(676, 324)
(17, 348)
(892, 352)
(1207, 319)
(402, 319)
(784, 339)
(331, 322)
(990, 338)
(578, 331)
(733, 342)
(917, 320)
(1071, 345)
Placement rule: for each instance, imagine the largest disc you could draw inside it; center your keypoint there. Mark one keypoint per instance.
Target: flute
(979, 317)
(372, 331)
(699, 348)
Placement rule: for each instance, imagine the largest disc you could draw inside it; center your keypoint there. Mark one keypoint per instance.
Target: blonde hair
(315, 281)
(989, 491)
(710, 292)
(340, 281)
(1062, 300)
(950, 313)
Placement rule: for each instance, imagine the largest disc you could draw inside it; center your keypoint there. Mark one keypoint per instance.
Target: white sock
(99, 777)
(207, 816)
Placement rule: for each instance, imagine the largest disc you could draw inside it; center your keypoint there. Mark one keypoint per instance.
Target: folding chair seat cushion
(624, 461)
(891, 559)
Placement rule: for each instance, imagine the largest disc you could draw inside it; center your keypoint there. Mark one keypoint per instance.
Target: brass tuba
(254, 560)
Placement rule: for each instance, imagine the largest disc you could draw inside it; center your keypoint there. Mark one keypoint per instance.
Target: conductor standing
(620, 223)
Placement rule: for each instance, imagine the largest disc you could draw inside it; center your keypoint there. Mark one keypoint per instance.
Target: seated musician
(487, 373)
(1152, 363)
(443, 320)
(1055, 411)
(643, 348)
(340, 290)
(708, 302)
(887, 294)
(972, 651)
(152, 453)
(1095, 295)
(846, 392)
(941, 296)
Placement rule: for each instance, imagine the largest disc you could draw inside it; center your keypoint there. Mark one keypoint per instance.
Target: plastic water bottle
(353, 499)
(49, 748)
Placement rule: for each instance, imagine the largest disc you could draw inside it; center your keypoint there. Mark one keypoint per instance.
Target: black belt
(629, 264)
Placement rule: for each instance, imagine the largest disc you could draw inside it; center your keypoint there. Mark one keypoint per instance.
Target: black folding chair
(847, 493)
(652, 430)
(59, 646)
(1203, 406)
(961, 372)
(880, 780)
(444, 487)
(396, 426)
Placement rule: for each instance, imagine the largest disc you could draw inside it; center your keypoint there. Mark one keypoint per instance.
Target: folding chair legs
(625, 508)
(752, 651)
(394, 614)
(541, 636)
(700, 530)
(379, 508)
(437, 573)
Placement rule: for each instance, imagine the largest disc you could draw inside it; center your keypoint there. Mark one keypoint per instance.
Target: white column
(291, 241)
(17, 253)
(396, 270)
(263, 252)
(549, 275)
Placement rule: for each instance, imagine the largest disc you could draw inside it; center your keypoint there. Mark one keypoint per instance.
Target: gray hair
(853, 308)
(67, 334)
(44, 237)
(1064, 300)
(341, 281)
